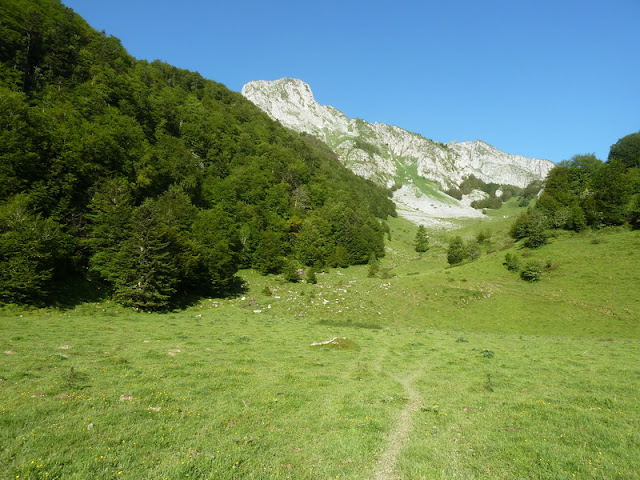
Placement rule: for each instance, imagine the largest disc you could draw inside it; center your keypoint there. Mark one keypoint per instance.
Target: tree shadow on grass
(73, 292)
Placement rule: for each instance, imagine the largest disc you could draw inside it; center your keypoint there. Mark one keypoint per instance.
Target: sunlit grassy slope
(496, 378)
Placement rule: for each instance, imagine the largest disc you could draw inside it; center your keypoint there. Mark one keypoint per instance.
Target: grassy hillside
(466, 372)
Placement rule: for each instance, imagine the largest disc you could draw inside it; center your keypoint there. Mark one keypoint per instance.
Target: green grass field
(446, 373)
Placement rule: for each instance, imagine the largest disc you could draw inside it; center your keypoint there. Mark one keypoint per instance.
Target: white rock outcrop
(391, 155)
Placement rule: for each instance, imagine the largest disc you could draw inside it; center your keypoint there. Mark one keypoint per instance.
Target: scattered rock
(333, 341)
(90, 426)
(338, 343)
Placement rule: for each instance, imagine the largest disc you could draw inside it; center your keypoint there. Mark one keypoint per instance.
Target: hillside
(392, 156)
(465, 372)
(151, 182)
(154, 323)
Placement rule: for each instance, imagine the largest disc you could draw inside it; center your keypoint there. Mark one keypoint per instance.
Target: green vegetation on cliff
(149, 180)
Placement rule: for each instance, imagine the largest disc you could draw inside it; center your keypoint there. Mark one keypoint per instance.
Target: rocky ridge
(392, 156)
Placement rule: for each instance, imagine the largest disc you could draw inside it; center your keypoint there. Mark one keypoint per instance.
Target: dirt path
(398, 437)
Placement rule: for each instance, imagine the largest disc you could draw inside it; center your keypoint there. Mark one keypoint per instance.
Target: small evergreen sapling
(532, 271)
(374, 266)
(456, 252)
(422, 240)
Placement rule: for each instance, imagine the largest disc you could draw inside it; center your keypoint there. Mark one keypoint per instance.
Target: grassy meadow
(440, 373)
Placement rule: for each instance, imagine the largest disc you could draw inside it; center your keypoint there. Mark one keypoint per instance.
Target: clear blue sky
(540, 78)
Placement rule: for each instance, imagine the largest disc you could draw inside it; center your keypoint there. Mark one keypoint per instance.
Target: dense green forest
(151, 182)
(585, 192)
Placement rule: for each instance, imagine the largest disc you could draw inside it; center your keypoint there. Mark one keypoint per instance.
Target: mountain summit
(390, 155)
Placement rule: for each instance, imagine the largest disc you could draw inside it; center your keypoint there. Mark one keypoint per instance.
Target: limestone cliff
(391, 155)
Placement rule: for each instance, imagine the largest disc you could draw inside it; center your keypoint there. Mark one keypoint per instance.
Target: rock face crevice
(390, 155)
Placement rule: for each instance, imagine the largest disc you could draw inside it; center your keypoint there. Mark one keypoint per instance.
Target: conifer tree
(422, 240)
(456, 252)
(374, 266)
(144, 272)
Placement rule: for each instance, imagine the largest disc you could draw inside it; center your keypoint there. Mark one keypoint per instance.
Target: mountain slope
(152, 180)
(391, 155)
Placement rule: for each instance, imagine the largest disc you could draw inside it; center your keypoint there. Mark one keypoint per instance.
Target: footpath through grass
(476, 373)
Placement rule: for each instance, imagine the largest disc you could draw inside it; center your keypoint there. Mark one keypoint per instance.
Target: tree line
(585, 192)
(151, 181)
(497, 193)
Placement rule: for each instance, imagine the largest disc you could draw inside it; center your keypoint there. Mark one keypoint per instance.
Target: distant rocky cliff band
(391, 156)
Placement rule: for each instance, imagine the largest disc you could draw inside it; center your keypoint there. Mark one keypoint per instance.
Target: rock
(390, 155)
(333, 341)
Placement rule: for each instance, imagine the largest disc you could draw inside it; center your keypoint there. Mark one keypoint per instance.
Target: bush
(531, 226)
(290, 273)
(374, 266)
(386, 273)
(473, 251)
(311, 276)
(483, 236)
(454, 192)
(456, 252)
(532, 271)
(512, 262)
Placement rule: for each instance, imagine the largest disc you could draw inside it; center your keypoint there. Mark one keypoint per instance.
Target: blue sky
(546, 79)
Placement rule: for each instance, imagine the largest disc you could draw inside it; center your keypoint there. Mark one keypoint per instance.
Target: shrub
(374, 266)
(532, 271)
(472, 251)
(512, 262)
(484, 236)
(311, 276)
(386, 273)
(456, 252)
(290, 273)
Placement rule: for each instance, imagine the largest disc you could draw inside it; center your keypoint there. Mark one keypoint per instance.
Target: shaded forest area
(151, 182)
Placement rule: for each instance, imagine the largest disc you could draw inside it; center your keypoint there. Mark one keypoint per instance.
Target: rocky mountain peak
(391, 155)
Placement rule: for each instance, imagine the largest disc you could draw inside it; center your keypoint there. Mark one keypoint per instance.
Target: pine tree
(374, 266)
(422, 240)
(145, 275)
(456, 252)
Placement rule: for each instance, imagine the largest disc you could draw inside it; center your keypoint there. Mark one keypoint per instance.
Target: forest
(586, 193)
(149, 183)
